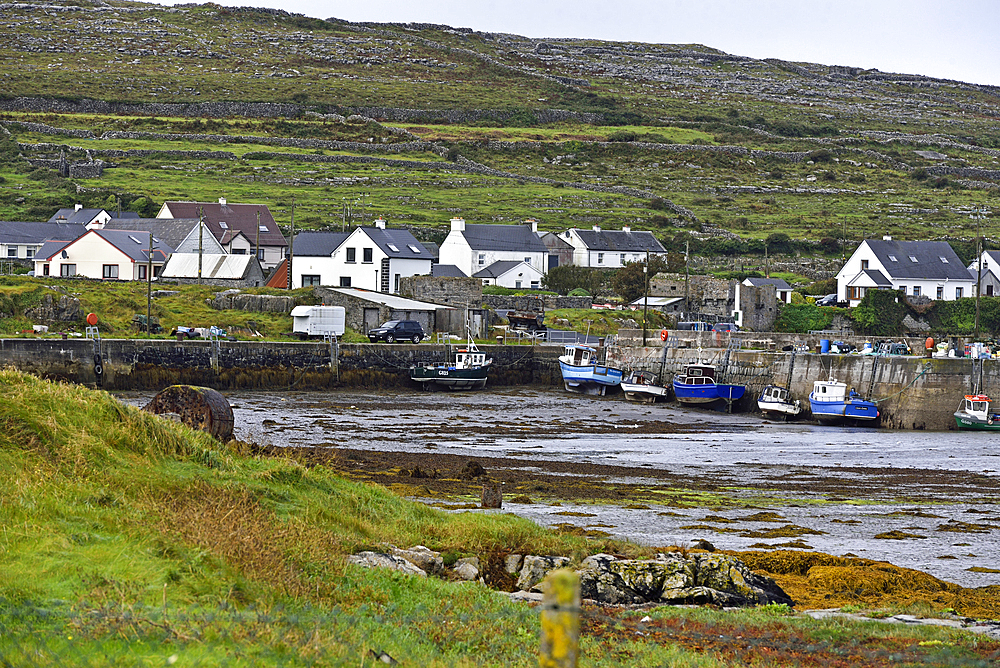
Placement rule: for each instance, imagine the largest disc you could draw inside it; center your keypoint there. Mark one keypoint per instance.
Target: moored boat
(777, 401)
(641, 386)
(582, 374)
(469, 371)
(697, 386)
(975, 413)
(832, 401)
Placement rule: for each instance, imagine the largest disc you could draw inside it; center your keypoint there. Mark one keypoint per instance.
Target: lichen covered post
(560, 620)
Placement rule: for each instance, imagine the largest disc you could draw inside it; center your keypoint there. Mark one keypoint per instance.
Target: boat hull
(590, 378)
(646, 394)
(779, 408)
(707, 393)
(838, 411)
(975, 423)
(450, 378)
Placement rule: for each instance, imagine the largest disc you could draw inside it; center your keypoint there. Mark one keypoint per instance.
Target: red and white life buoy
(664, 334)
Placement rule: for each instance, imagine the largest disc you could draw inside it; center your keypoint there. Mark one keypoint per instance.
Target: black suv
(397, 330)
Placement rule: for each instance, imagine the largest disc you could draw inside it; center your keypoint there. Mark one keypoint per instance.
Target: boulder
(382, 560)
(64, 309)
(536, 568)
(513, 562)
(424, 558)
(492, 496)
(467, 569)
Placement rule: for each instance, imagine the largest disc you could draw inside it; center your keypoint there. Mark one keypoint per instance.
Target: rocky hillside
(419, 123)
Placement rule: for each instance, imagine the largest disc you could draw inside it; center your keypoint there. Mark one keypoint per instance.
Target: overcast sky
(951, 39)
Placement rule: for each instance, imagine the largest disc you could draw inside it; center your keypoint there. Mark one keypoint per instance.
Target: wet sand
(660, 475)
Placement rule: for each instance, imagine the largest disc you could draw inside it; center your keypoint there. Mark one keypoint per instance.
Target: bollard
(560, 620)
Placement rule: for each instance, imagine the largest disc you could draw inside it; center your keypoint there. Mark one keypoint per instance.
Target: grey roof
(230, 267)
(638, 241)
(778, 283)
(132, 244)
(447, 271)
(928, 256)
(392, 301)
(132, 215)
(50, 249)
(171, 231)
(398, 243)
(317, 244)
(36, 233)
(497, 269)
(82, 216)
(516, 238)
(877, 277)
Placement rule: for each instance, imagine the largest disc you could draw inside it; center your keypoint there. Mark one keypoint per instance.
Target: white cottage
(473, 248)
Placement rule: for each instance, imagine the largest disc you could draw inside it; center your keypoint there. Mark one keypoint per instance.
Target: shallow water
(847, 484)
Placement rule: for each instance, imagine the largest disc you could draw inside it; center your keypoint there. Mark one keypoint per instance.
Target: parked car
(725, 327)
(697, 326)
(397, 330)
(828, 300)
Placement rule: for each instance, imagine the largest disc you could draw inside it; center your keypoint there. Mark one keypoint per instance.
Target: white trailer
(318, 320)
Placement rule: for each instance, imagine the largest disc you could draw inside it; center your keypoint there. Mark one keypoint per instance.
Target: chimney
(222, 201)
(626, 228)
(596, 228)
(380, 223)
(78, 207)
(886, 238)
(458, 225)
(533, 224)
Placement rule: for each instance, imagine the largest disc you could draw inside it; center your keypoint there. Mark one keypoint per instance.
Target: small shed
(230, 271)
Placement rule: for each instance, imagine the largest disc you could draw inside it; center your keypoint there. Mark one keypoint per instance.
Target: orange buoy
(664, 334)
(91, 319)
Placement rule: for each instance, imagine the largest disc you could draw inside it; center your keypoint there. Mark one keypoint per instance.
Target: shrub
(623, 136)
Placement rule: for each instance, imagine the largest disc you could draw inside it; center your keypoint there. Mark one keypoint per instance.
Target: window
(352, 255)
(864, 264)
(310, 279)
(413, 248)
(239, 251)
(262, 228)
(67, 270)
(45, 270)
(622, 260)
(989, 288)
(517, 285)
(940, 292)
(916, 290)
(11, 251)
(945, 260)
(156, 270)
(892, 258)
(223, 225)
(535, 285)
(367, 257)
(855, 292)
(142, 272)
(482, 259)
(913, 259)
(345, 281)
(600, 258)
(395, 283)
(31, 252)
(260, 254)
(902, 289)
(393, 247)
(110, 271)
(958, 293)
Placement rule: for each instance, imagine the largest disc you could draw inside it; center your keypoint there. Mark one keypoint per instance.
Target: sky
(949, 39)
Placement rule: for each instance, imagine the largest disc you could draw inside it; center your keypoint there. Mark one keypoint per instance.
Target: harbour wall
(911, 392)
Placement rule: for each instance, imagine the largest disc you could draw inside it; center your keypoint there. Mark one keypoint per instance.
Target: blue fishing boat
(582, 374)
(832, 401)
(697, 386)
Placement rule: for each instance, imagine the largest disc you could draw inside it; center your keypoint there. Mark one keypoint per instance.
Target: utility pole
(256, 243)
(291, 239)
(979, 261)
(687, 278)
(645, 300)
(149, 282)
(201, 228)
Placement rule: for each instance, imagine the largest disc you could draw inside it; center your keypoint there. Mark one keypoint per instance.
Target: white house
(611, 249)
(81, 216)
(21, 240)
(914, 268)
(510, 274)
(782, 290)
(181, 234)
(473, 248)
(105, 254)
(371, 258)
(990, 286)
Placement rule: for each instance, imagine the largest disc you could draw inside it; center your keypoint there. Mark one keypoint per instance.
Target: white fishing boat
(777, 401)
(640, 386)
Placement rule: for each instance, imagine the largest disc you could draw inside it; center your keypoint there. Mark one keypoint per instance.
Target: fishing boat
(832, 401)
(641, 386)
(777, 401)
(697, 386)
(582, 374)
(467, 372)
(974, 413)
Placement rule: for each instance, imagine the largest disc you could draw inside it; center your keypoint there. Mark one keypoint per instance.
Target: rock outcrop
(669, 579)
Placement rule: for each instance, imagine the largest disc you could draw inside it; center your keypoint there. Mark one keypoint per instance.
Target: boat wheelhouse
(697, 385)
(582, 374)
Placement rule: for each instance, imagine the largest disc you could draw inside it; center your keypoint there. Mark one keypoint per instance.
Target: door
(371, 319)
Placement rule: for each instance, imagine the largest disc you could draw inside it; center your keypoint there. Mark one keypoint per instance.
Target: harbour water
(918, 499)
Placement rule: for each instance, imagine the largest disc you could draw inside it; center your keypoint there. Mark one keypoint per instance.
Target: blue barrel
(824, 345)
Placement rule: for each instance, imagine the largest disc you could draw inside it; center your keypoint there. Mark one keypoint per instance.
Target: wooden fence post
(560, 620)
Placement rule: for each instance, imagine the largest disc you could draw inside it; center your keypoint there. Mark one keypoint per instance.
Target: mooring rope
(927, 367)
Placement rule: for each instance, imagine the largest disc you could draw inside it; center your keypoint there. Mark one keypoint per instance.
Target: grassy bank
(131, 540)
